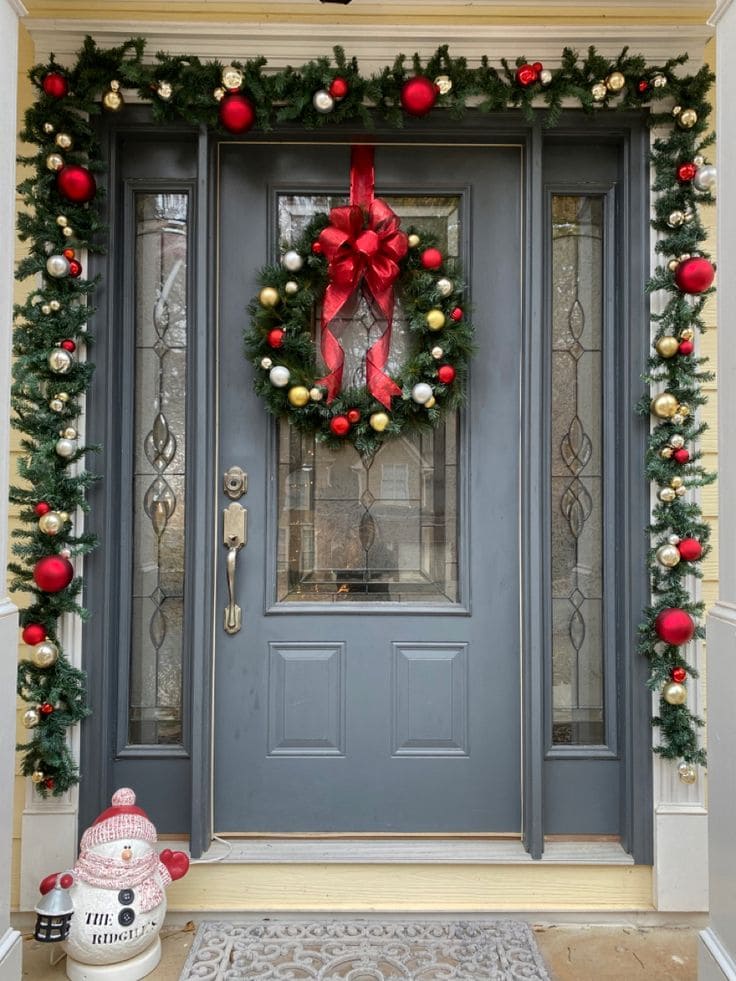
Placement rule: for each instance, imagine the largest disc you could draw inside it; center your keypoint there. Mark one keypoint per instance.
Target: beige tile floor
(572, 953)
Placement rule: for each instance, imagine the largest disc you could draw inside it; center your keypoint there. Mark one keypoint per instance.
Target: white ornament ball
(437, 353)
(421, 393)
(316, 394)
(323, 101)
(545, 76)
(291, 288)
(444, 286)
(279, 376)
(705, 178)
(65, 448)
(57, 266)
(292, 261)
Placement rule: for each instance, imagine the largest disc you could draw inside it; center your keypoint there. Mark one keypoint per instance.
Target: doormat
(362, 950)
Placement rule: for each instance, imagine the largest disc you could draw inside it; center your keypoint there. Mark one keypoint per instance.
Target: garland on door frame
(53, 369)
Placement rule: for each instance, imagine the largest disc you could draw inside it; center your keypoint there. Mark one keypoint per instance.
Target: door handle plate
(235, 536)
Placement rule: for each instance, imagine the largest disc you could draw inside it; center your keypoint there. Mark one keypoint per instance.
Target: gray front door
(375, 683)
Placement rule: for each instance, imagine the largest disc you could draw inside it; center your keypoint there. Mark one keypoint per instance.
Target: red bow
(364, 252)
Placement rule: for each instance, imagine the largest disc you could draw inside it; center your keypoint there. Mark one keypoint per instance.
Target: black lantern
(55, 912)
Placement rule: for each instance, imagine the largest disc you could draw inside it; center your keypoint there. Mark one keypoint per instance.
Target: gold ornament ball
(687, 772)
(164, 90)
(232, 77)
(430, 403)
(50, 523)
(659, 81)
(598, 91)
(266, 363)
(48, 128)
(666, 495)
(443, 83)
(316, 394)
(675, 218)
(291, 288)
(667, 347)
(676, 482)
(62, 221)
(687, 118)
(69, 433)
(60, 361)
(31, 718)
(112, 100)
(299, 396)
(38, 776)
(674, 693)
(668, 556)
(68, 231)
(268, 297)
(683, 410)
(219, 94)
(687, 334)
(673, 264)
(681, 491)
(45, 654)
(677, 441)
(664, 406)
(435, 320)
(54, 161)
(55, 305)
(64, 141)
(414, 241)
(666, 452)
(379, 421)
(615, 81)
(45, 309)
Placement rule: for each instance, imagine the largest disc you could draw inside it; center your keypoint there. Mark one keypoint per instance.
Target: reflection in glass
(373, 528)
(577, 490)
(155, 715)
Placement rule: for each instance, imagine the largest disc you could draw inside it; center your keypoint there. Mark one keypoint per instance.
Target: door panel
(374, 685)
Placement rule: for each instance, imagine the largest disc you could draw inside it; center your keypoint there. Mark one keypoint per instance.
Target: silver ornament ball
(65, 448)
(60, 361)
(674, 539)
(292, 261)
(323, 101)
(266, 363)
(279, 376)
(291, 288)
(687, 772)
(705, 178)
(545, 76)
(675, 219)
(45, 654)
(57, 266)
(444, 286)
(668, 556)
(677, 441)
(31, 718)
(437, 353)
(421, 393)
(599, 91)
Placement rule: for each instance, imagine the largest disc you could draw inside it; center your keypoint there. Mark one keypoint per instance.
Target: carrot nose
(126, 854)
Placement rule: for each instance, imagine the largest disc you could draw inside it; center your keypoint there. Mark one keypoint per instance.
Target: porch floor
(572, 953)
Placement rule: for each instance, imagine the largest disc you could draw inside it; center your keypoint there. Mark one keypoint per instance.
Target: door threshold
(426, 851)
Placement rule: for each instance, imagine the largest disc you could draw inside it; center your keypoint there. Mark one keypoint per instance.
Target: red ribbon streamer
(361, 251)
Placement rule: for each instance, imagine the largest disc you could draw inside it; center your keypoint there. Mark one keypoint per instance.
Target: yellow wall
(391, 887)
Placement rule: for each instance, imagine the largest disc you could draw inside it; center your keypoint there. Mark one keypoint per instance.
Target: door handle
(235, 536)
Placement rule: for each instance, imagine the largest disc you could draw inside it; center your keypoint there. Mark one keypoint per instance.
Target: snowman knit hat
(122, 821)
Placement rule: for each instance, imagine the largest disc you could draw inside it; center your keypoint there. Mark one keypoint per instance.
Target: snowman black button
(126, 917)
(126, 897)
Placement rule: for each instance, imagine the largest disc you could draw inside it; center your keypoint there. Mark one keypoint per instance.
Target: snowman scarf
(143, 874)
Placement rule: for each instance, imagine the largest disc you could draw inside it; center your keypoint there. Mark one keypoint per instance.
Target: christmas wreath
(359, 247)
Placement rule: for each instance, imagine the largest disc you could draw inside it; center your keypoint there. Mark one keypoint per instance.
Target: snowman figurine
(118, 895)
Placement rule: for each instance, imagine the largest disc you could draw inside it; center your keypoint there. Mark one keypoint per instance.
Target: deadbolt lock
(235, 483)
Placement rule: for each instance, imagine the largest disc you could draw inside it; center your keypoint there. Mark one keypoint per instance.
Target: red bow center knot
(361, 250)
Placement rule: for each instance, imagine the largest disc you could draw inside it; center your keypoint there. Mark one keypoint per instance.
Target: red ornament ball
(528, 74)
(681, 456)
(353, 416)
(679, 675)
(49, 783)
(76, 183)
(418, 95)
(674, 626)
(68, 254)
(75, 268)
(457, 314)
(42, 508)
(236, 113)
(338, 88)
(53, 573)
(46, 708)
(694, 275)
(432, 258)
(446, 374)
(317, 248)
(686, 347)
(642, 87)
(33, 633)
(275, 337)
(339, 425)
(690, 549)
(68, 345)
(55, 84)
(686, 172)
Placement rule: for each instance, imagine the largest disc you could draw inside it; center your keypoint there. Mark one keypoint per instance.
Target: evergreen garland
(47, 404)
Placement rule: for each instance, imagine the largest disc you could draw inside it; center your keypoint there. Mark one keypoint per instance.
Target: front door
(374, 685)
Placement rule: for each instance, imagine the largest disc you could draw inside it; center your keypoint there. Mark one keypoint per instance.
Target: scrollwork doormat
(363, 950)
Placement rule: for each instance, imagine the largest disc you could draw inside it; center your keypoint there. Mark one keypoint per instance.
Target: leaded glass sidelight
(576, 480)
(155, 698)
(380, 527)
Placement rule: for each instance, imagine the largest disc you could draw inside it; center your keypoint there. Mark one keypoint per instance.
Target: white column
(10, 11)
(717, 953)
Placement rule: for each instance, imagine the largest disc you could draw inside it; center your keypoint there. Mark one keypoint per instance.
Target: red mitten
(48, 883)
(176, 862)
